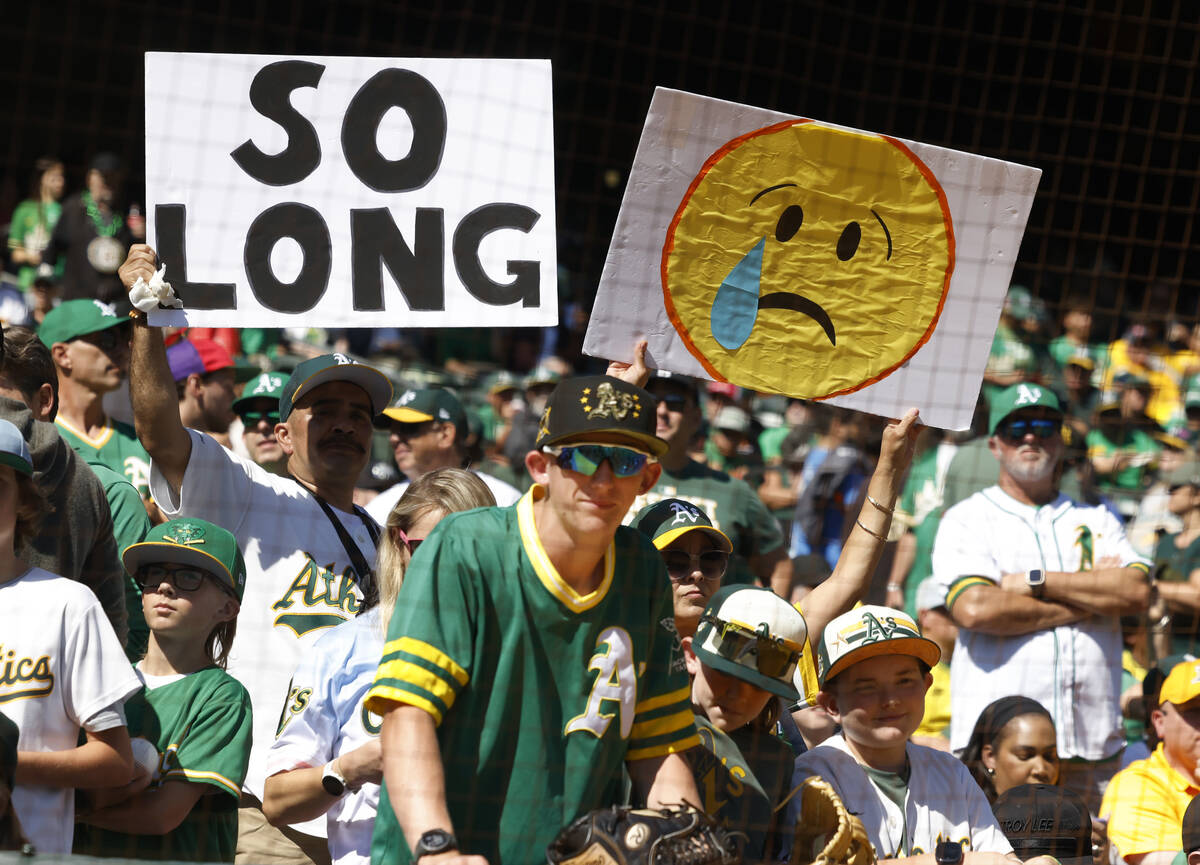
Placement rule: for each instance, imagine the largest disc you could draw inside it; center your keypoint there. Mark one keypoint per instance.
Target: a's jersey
(299, 579)
(942, 803)
(117, 447)
(325, 717)
(200, 724)
(540, 694)
(130, 525)
(731, 504)
(1072, 670)
(63, 666)
(380, 506)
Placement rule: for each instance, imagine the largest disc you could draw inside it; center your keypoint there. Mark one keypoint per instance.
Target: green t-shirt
(131, 523)
(540, 694)
(733, 507)
(31, 227)
(1174, 565)
(117, 447)
(200, 725)
(1134, 441)
(894, 785)
(770, 442)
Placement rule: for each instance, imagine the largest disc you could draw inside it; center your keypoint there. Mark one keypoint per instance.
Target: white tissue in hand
(147, 297)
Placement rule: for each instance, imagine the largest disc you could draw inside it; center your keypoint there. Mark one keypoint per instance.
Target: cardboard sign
(792, 256)
(352, 191)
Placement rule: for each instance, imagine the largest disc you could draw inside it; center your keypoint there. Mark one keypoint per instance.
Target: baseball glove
(826, 833)
(625, 836)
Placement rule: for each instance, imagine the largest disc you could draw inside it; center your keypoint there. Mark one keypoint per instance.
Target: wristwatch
(332, 779)
(433, 842)
(949, 852)
(1036, 580)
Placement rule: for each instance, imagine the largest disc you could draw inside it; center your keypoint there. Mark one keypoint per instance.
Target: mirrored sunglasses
(586, 459)
(774, 658)
(1041, 427)
(711, 564)
(253, 418)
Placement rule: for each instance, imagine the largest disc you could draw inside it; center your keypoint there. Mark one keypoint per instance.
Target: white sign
(352, 191)
(797, 257)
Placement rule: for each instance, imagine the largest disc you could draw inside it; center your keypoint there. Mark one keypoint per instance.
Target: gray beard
(1024, 472)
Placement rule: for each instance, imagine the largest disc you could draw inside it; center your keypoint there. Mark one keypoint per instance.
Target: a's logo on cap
(341, 359)
(1028, 395)
(544, 426)
(267, 384)
(409, 396)
(186, 535)
(610, 403)
(1195, 674)
(872, 629)
(684, 513)
(106, 309)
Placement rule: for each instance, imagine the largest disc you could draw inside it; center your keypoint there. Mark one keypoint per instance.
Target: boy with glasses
(526, 661)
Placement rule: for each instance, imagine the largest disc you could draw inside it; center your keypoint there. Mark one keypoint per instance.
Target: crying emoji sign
(808, 260)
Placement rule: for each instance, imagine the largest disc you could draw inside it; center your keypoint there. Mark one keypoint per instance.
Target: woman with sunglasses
(325, 763)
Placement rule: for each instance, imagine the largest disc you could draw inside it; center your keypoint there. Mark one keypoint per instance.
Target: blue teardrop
(736, 305)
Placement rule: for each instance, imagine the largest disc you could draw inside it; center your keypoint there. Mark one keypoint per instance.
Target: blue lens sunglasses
(1042, 428)
(586, 459)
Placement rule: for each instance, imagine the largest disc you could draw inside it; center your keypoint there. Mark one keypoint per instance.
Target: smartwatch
(332, 779)
(1036, 580)
(433, 842)
(949, 852)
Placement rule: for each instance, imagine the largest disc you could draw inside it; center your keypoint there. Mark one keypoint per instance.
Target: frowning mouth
(799, 303)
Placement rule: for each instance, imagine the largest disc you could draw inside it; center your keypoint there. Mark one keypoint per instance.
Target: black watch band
(433, 842)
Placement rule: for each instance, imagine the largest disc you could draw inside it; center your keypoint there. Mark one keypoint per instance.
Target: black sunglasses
(105, 340)
(1041, 427)
(711, 564)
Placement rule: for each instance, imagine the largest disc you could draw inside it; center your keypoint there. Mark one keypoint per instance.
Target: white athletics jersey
(63, 666)
(325, 717)
(943, 802)
(1073, 670)
(380, 506)
(299, 579)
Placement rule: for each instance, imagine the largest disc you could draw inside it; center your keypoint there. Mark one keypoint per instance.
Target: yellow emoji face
(808, 260)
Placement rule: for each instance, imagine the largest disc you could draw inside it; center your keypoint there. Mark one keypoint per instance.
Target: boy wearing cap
(89, 343)
(525, 662)
(194, 714)
(257, 411)
(203, 370)
(874, 669)
(1145, 802)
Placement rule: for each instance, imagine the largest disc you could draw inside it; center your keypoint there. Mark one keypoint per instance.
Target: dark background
(1100, 96)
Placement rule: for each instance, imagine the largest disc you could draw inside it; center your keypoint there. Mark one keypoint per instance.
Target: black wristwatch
(1036, 580)
(433, 842)
(948, 852)
(333, 780)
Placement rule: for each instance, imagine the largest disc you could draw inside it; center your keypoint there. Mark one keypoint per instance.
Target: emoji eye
(789, 223)
(847, 244)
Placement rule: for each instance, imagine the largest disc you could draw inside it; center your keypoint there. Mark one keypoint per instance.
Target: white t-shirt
(327, 718)
(67, 671)
(299, 581)
(380, 506)
(1072, 670)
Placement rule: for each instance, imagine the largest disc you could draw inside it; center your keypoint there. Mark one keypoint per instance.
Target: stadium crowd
(379, 596)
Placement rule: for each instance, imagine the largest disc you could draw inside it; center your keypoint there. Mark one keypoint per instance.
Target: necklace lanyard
(363, 572)
(93, 212)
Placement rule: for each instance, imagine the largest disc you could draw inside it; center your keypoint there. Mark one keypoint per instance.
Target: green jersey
(200, 724)
(130, 525)
(1175, 565)
(1134, 443)
(32, 224)
(117, 447)
(540, 694)
(733, 507)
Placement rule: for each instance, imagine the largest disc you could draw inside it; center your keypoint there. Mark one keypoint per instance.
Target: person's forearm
(1104, 592)
(413, 772)
(992, 610)
(664, 782)
(296, 796)
(103, 761)
(150, 812)
(1180, 596)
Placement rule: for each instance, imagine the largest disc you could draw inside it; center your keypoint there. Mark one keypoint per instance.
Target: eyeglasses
(254, 418)
(1041, 427)
(673, 401)
(586, 459)
(183, 578)
(711, 564)
(410, 543)
(774, 657)
(105, 340)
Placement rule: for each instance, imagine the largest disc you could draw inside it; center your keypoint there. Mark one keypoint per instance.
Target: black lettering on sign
(477, 225)
(376, 241)
(304, 225)
(170, 222)
(394, 88)
(270, 94)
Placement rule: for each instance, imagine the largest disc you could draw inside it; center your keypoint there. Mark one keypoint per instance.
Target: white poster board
(797, 257)
(352, 191)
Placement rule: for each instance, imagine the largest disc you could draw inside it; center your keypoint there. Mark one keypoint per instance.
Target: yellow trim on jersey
(683, 695)
(662, 726)
(544, 568)
(1141, 566)
(420, 677)
(88, 440)
(398, 696)
(194, 775)
(662, 750)
(961, 585)
(426, 652)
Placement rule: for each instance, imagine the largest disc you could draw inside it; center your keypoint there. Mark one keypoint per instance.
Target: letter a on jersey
(615, 680)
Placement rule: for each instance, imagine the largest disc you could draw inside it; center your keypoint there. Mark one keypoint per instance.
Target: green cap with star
(193, 542)
(600, 404)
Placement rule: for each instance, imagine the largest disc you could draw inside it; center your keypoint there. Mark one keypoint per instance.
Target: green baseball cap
(321, 370)
(869, 631)
(426, 404)
(754, 635)
(1020, 396)
(13, 450)
(268, 385)
(669, 519)
(72, 319)
(600, 404)
(195, 542)
(500, 381)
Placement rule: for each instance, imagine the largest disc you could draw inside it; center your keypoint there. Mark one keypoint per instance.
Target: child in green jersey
(191, 720)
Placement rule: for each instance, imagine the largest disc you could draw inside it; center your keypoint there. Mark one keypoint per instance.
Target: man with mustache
(1037, 584)
(308, 548)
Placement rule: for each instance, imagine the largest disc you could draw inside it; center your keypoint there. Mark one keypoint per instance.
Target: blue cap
(13, 450)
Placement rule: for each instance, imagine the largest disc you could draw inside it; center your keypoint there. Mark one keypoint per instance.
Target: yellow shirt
(1144, 806)
(937, 704)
